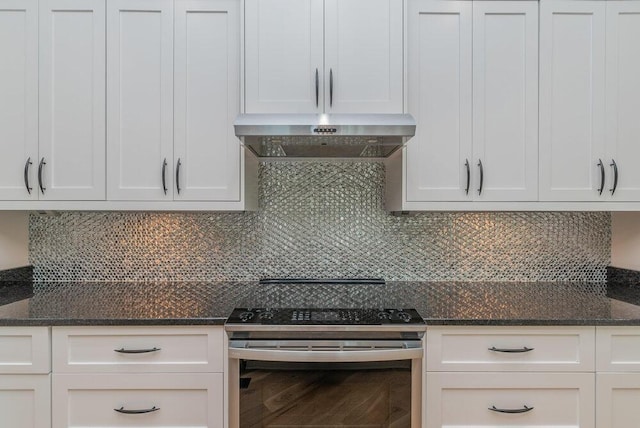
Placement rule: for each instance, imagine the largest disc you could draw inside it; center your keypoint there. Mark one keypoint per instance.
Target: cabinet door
(505, 100)
(617, 398)
(18, 98)
(572, 80)
(439, 98)
(72, 99)
(140, 99)
(363, 54)
(25, 401)
(207, 72)
(283, 56)
(623, 99)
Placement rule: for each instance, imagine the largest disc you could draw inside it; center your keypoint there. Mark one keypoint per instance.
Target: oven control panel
(293, 316)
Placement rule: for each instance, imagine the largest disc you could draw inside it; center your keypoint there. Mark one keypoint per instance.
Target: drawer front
(618, 349)
(25, 350)
(510, 349)
(181, 400)
(465, 399)
(25, 401)
(138, 349)
(617, 398)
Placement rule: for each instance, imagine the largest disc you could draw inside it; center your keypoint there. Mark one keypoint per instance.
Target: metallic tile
(320, 219)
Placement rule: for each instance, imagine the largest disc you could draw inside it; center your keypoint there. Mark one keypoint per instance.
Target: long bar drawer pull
(511, 351)
(523, 410)
(137, 412)
(136, 351)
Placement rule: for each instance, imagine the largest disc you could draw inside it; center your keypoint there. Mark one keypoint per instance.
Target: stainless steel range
(325, 367)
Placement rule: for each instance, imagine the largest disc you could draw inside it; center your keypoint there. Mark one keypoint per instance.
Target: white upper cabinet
(18, 99)
(572, 90)
(622, 160)
(72, 100)
(140, 99)
(207, 100)
(439, 98)
(336, 56)
(472, 88)
(284, 56)
(363, 56)
(505, 100)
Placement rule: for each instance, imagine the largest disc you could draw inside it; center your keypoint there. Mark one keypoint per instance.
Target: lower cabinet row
(532, 399)
(196, 400)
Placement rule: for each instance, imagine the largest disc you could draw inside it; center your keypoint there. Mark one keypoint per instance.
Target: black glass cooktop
(293, 316)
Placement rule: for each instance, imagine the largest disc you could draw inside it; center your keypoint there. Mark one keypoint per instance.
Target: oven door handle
(306, 356)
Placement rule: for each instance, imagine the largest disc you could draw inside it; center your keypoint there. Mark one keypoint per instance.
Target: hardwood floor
(326, 399)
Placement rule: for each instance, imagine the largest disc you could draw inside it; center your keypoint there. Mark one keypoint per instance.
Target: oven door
(321, 384)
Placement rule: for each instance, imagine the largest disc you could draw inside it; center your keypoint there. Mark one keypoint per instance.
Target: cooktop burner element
(293, 316)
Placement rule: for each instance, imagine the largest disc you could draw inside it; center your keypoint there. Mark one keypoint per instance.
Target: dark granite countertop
(191, 303)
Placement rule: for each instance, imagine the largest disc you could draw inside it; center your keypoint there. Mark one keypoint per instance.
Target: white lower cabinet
(25, 401)
(167, 400)
(618, 400)
(509, 399)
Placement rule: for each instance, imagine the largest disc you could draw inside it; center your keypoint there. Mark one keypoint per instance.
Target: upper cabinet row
(520, 102)
(315, 56)
(123, 100)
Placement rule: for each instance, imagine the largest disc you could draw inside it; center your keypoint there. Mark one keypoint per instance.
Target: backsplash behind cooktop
(320, 219)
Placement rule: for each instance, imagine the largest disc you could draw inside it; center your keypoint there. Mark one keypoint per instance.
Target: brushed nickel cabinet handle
(525, 409)
(331, 87)
(178, 175)
(511, 350)
(136, 351)
(26, 175)
(40, 168)
(481, 176)
(137, 412)
(601, 165)
(615, 176)
(164, 176)
(317, 88)
(466, 164)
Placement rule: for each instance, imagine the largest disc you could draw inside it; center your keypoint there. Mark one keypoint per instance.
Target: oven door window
(323, 395)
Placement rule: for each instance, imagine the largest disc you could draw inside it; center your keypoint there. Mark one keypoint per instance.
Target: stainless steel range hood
(324, 135)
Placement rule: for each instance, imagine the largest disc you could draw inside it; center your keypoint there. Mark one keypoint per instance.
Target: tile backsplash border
(320, 219)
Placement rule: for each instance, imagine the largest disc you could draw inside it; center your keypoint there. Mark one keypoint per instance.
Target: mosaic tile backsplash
(325, 220)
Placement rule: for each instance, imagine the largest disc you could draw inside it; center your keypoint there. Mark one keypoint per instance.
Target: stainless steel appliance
(325, 367)
(324, 135)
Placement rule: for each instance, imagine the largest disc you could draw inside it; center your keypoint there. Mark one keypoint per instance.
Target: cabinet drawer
(25, 401)
(510, 349)
(138, 349)
(179, 400)
(24, 350)
(465, 399)
(618, 349)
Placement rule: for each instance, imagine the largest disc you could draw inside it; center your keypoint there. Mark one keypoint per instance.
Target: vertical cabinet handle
(481, 176)
(317, 88)
(615, 176)
(40, 168)
(466, 164)
(178, 175)
(164, 176)
(26, 175)
(601, 165)
(331, 87)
